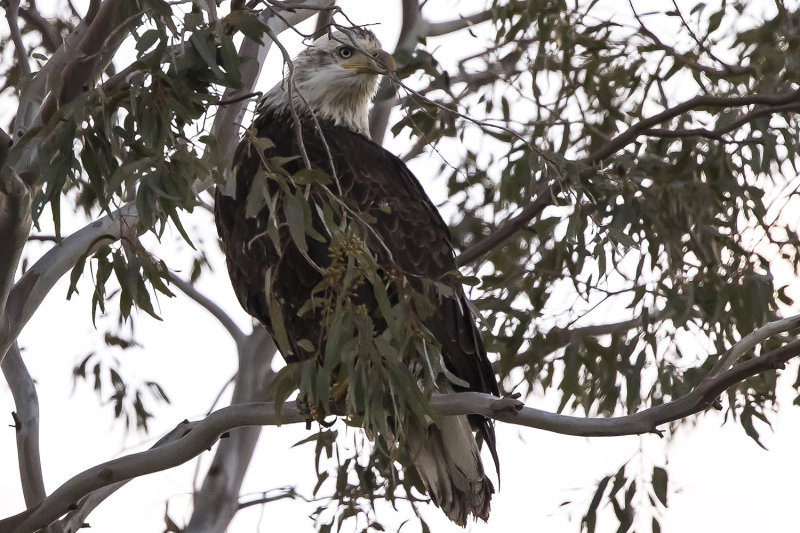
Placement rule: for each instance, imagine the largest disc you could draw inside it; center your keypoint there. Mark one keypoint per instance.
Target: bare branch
(12, 14)
(203, 434)
(216, 311)
(217, 501)
(26, 425)
(751, 340)
(31, 98)
(15, 224)
(198, 437)
(436, 29)
(97, 47)
(5, 144)
(51, 40)
(287, 493)
(558, 338)
(507, 230)
(75, 519)
(641, 127)
(718, 133)
(28, 293)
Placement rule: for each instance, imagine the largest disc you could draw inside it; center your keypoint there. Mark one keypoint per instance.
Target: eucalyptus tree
(620, 185)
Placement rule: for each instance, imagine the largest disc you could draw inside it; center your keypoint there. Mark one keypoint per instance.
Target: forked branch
(201, 435)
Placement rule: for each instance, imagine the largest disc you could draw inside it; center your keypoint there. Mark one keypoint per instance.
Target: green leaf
(620, 237)
(660, 480)
(146, 41)
(306, 345)
(293, 206)
(590, 518)
(715, 19)
(278, 327)
(204, 44)
(308, 176)
(249, 25)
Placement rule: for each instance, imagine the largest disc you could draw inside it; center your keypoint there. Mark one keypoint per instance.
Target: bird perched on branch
(318, 220)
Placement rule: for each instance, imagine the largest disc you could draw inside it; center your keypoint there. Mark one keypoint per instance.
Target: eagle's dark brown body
(379, 186)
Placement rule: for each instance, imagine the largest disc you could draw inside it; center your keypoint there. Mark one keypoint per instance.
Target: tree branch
(718, 133)
(203, 434)
(217, 501)
(436, 29)
(507, 229)
(30, 290)
(15, 224)
(12, 16)
(97, 47)
(751, 340)
(559, 338)
(31, 98)
(75, 519)
(410, 31)
(51, 40)
(216, 311)
(26, 425)
(640, 128)
(20, 178)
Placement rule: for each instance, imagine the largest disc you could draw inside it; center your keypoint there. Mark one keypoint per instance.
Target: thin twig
(228, 101)
(290, 91)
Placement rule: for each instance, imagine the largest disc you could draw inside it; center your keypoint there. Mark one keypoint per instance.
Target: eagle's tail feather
(450, 466)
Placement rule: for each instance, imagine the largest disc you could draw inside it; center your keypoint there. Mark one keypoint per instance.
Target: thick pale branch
(26, 425)
(29, 292)
(217, 501)
(75, 519)
(31, 98)
(97, 47)
(199, 437)
(410, 31)
(203, 434)
(751, 340)
(15, 224)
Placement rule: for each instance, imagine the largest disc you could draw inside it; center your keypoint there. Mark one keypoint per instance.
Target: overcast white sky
(720, 480)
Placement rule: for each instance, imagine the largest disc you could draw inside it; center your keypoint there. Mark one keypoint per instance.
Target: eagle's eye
(345, 52)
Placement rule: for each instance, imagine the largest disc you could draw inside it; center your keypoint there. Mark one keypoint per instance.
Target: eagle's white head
(335, 78)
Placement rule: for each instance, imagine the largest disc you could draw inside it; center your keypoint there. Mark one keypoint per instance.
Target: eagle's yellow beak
(381, 62)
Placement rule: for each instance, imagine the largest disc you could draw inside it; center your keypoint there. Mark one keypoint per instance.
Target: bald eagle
(317, 117)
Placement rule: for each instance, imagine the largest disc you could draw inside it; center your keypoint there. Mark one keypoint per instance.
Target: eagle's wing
(411, 228)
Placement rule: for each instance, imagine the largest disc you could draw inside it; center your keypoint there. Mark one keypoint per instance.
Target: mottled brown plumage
(407, 235)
